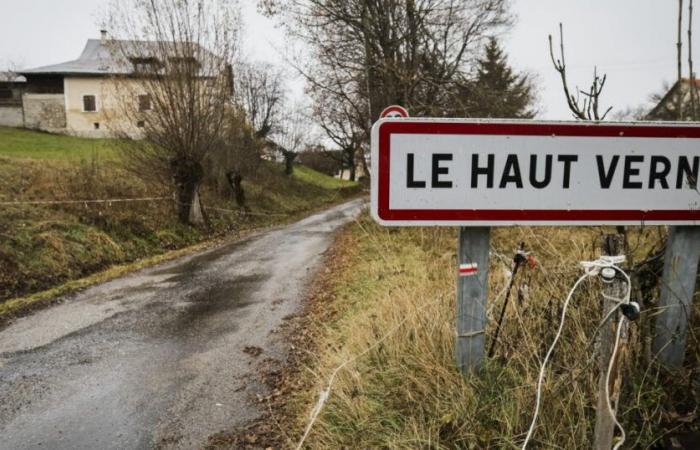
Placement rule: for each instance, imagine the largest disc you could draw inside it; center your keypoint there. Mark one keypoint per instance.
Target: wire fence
(108, 201)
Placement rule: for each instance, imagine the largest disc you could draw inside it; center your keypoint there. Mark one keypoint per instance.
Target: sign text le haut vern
(490, 173)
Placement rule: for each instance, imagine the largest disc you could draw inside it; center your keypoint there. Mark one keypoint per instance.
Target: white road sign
(489, 173)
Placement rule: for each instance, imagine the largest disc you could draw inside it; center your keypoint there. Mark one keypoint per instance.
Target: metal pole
(472, 292)
(677, 289)
(613, 245)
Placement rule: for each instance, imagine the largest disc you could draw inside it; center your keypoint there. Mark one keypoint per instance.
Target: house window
(145, 65)
(144, 102)
(186, 64)
(96, 125)
(89, 103)
(141, 123)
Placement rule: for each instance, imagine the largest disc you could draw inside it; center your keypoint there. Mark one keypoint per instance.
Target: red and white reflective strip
(468, 269)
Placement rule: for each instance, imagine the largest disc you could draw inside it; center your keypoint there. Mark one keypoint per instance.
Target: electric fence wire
(591, 268)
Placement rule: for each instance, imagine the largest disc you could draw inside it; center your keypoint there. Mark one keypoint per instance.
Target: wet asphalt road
(156, 359)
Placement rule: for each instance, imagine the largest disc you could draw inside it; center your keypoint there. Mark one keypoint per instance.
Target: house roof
(112, 57)
(664, 102)
(687, 81)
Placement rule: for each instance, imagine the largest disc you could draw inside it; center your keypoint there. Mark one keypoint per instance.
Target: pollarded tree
(177, 88)
(497, 90)
(259, 90)
(293, 136)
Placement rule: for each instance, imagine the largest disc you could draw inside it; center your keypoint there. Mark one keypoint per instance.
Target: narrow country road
(165, 357)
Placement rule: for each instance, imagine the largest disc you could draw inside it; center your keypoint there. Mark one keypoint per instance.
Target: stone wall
(11, 116)
(44, 112)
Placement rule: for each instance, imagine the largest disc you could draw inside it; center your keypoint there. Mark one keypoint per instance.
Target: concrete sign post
(469, 173)
(677, 289)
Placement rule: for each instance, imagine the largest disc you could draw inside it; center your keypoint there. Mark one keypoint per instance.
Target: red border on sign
(394, 108)
(386, 129)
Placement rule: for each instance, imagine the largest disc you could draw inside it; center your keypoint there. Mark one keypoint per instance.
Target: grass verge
(27, 144)
(406, 392)
(45, 246)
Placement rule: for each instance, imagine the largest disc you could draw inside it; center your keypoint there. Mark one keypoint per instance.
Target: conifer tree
(497, 91)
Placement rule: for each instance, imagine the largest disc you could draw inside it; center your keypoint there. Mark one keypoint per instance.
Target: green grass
(45, 246)
(312, 177)
(19, 143)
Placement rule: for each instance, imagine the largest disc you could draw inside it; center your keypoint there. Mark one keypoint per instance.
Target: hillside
(43, 245)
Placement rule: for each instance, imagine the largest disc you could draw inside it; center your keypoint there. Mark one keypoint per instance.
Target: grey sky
(633, 41)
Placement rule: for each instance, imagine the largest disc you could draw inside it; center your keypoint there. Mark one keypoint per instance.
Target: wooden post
(677, 289)
(472, 292)
(613, 245)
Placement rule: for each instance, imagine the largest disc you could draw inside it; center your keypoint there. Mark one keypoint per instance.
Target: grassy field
(392, 306)
(19, 143)
(42, 246)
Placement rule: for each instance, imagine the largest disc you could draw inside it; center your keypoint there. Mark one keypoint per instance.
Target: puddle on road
(201, 316)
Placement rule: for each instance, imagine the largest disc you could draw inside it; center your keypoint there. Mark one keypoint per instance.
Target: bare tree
(176, 90)
(259, 89)
(339, 122)
(237, 156)
(293, 136)
(584, 105)
(368, 54)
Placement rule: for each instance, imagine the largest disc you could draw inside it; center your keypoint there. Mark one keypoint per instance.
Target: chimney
(103, 36)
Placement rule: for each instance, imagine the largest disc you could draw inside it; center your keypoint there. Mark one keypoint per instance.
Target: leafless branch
(585, 105)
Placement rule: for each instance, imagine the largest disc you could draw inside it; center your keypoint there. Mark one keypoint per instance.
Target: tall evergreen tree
(497, 91)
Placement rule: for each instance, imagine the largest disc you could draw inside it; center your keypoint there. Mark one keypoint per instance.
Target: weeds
(406, 392)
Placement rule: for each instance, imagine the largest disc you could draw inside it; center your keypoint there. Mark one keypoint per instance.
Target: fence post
(613, 245)
(472, 292)
(677, 289)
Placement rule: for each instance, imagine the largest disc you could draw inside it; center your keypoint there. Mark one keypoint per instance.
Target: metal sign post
(478, 174)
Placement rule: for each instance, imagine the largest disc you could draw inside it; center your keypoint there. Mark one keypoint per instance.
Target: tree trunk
(195, 214)
(363, 161)
(187, 177)
(289, 162)
(353, 172)
(235, 180)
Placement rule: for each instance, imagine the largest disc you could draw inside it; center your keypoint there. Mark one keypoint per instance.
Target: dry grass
(406, 392)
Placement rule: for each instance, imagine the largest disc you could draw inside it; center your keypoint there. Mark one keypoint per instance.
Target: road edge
(15, 308)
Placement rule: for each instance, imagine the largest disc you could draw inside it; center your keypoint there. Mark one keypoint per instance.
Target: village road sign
(490, 173)
(394, 112)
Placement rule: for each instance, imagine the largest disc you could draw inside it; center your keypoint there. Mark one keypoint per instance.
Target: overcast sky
(633, 41)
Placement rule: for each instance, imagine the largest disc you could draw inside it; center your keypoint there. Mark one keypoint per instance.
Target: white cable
(546, 358)
(325, 393)
(591, 268)
(607, 385)
(611, 411)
